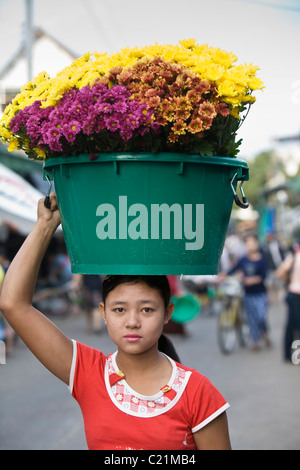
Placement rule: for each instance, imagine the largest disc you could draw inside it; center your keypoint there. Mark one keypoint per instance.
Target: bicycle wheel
(227, 329)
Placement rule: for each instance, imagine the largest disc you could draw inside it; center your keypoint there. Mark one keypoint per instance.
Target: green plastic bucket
(186, 308)
(164, 213)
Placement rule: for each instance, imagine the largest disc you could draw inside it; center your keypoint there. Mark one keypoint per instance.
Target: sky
(265, 33)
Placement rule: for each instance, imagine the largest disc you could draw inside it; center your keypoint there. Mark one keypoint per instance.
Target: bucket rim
(145, 156)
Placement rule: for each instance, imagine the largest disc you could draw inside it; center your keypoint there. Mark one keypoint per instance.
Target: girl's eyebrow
(122, 302)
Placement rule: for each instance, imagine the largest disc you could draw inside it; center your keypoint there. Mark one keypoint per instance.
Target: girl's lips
(132, 338)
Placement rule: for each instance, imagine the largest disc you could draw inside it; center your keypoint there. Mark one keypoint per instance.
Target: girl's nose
(133, 320)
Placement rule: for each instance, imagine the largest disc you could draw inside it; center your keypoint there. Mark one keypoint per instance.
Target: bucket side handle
(244, 204)
(47, 177)
(47, 198)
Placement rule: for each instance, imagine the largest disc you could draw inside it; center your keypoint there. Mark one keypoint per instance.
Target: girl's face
(135, 315)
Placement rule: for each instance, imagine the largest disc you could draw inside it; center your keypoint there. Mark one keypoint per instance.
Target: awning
(18, 201)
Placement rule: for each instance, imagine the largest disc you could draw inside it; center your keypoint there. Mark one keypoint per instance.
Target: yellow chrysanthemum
(254, 83)
(213, 72)
(226, 59)
(188, 43)
(235, 83)
(40, 153)
(13, 144)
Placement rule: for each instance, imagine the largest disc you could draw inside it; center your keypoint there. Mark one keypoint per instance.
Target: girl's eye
(119, 310)
(147, 309)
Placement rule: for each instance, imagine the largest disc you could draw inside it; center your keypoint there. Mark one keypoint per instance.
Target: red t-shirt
(117, 418)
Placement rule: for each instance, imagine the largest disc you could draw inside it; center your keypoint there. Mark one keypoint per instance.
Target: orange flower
(183, 114)
(207, 110)
(193, 96)
(168, 112)
(179, 127)
(153, 102)
(183, 103)
(195, 126)
(173, 138)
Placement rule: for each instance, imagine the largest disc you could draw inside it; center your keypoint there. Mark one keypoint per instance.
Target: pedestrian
(289, 272)
(59, 267)
(138, 397)
(253, 268)
(274, 254)
(2, 331)
(173, 327)
(88, 288)
(7, 334)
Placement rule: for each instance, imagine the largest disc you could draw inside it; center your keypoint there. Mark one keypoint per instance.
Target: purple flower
(85, 96)
(67, 98)
(56, 115)
(115, 93)
(99, 90)
(126, 133)
(51, 137)
(17, 121)
(70, 130)
(34, 128)
(112, 123)
(155, 126)
(104, 108)
(120, 90)
(88, 111)
(120, 106)
(34, 108)
(75, 111)
(89, 123)
(133, 121)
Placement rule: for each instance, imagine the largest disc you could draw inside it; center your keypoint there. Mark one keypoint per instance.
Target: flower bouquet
(139, 145)
(187, 98)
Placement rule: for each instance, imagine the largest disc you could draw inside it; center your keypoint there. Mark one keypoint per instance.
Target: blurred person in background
(7, 334)
(289, 272)
(2, 332)
(253, 268)
(274, 254)
(59, 267)
(89, 288)
(173, 327)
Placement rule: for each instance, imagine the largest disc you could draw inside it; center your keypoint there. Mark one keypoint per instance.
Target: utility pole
(29, 37)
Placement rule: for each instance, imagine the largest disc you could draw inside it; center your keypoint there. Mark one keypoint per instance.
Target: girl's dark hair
(159, 283)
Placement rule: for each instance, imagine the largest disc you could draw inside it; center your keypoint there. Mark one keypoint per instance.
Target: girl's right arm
(43, 338)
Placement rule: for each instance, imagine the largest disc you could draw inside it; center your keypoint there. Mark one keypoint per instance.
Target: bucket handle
(245, 203)
(47, 198)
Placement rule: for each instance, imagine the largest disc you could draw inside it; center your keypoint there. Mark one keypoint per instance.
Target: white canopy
(18, 201)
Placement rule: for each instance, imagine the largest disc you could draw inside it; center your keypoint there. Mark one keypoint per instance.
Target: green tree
(261, 169)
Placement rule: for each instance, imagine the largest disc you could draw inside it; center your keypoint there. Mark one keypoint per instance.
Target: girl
(138, 397)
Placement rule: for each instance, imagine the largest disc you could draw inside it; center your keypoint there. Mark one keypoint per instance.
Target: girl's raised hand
(51, 214)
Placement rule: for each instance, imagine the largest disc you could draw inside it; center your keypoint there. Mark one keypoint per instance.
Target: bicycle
(232, 327)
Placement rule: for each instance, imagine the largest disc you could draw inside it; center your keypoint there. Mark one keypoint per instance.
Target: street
(37, 411)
